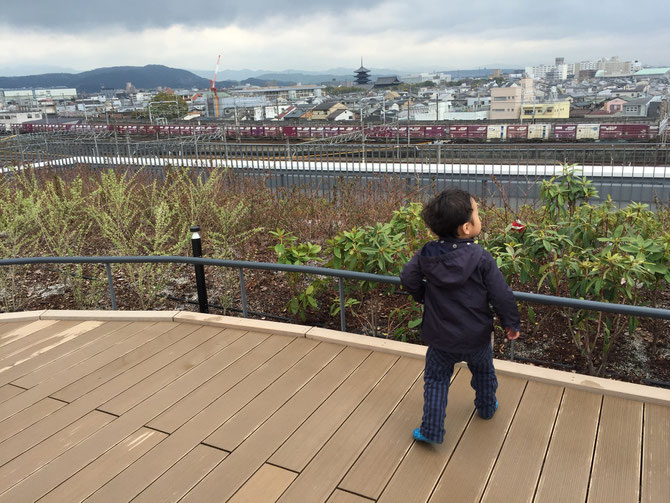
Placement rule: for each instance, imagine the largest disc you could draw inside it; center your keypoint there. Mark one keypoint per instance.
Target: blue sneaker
(494, 411)
(418, 436)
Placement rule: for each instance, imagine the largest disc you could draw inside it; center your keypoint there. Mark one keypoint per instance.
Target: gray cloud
(520, 18)
(526, 18)
(318, 34)
(78, 15)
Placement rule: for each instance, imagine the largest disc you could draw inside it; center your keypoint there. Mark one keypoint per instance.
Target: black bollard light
(196, 244)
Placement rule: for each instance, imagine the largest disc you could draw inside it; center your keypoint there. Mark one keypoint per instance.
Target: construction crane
(212, 87)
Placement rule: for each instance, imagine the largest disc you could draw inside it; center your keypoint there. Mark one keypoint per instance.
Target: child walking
(457, 280)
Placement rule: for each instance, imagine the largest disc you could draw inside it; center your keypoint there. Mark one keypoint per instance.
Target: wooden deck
(161, 407)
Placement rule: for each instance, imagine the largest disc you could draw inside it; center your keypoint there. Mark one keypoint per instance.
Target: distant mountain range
(339, 74)
(142, 77)
(152, 76)
(478, 73)
(115, 77)
(295, 76)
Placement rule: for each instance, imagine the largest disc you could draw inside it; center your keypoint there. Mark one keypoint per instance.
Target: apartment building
(506, 102)
(548, 72)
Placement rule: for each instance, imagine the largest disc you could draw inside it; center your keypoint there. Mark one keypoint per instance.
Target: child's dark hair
(447, 211)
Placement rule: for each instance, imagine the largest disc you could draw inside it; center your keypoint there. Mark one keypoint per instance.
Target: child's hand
(511, 334)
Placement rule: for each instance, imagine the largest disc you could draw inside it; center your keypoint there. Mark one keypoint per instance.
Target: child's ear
(462, 230)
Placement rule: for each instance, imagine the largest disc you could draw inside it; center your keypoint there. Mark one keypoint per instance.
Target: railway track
(38, 148)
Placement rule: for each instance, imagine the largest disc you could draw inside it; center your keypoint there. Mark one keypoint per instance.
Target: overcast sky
(318, 35)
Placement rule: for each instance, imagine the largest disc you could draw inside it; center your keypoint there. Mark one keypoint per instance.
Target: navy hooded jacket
(461, 281)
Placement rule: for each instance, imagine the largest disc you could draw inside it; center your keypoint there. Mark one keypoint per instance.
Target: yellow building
(555, 110)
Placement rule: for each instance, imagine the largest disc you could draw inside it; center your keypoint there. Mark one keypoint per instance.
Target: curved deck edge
(600, 385)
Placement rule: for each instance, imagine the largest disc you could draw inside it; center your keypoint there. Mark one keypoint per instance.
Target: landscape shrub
(18, 236)
(575, 249)
(568, 246)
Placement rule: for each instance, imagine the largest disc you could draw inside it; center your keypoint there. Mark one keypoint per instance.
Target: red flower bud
(518, 226)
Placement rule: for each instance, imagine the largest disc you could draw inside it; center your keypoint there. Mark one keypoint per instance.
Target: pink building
(615, 105)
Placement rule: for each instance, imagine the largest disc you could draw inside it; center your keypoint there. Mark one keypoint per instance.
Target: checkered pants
(439, 369)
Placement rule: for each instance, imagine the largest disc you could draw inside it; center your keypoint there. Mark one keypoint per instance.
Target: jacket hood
(449, 262)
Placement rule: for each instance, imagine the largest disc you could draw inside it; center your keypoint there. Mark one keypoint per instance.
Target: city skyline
(306, 35)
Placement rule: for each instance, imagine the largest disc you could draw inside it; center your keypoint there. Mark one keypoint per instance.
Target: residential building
(548, 72)
(273, 112)
(322, 111)
(430, 111)
(478, 102)
(342, 115)
(554, 110)
(614, 105)
(612, 67)
(628, 94)
(416, 78)
(505, 102)
(295, 112)
(7, 118)
(638, 107)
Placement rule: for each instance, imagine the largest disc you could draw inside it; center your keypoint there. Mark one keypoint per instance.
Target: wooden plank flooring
(114, 411)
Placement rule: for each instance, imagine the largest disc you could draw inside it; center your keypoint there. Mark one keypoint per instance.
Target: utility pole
(409, 108)
(362, 131)
(397, 134)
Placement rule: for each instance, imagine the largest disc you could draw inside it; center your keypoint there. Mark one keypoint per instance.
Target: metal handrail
(199, 262)
(641, 311)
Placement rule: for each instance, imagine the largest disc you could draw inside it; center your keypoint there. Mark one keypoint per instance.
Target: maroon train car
(517, 132)
(435, 132)
(565, 131)
(629, 132)
(290, 131)
(468, 132)
(257, 131)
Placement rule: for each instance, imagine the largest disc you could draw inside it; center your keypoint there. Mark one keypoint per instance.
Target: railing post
(243, 294)
(343, 316)
(196, 245)
(110, 282)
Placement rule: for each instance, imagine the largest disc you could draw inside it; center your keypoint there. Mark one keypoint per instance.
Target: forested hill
(115, 77)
